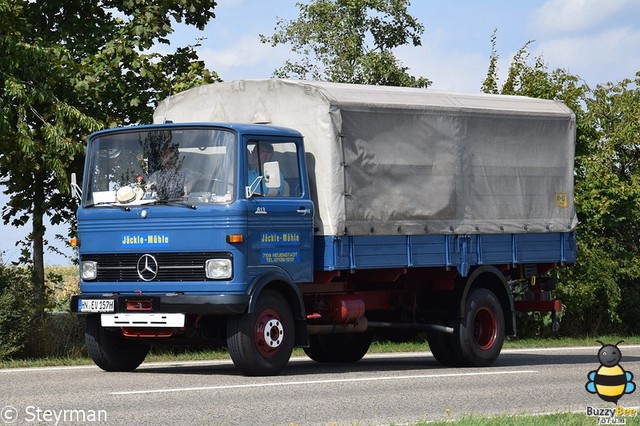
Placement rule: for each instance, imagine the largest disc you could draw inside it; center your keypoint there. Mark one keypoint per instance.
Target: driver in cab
(262, 153)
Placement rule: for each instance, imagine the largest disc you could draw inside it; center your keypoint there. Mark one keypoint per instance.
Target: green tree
(349, 41)
(535, 80)
(608, 196)
(71, 67)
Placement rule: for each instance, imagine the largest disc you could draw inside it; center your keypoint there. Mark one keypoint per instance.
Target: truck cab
(183, 224)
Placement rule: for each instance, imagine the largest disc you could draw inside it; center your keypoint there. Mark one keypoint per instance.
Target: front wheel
(260, 343)
(478, 337)
(110, 350)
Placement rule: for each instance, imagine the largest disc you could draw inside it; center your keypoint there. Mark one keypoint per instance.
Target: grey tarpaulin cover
(389, 160)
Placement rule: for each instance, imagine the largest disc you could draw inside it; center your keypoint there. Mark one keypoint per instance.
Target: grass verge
(560, 419)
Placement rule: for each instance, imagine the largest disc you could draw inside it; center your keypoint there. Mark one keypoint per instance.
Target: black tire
(315, 350)
(477, 339)
(442, 348)
(110, 350)
(333, 348)
(260, 343)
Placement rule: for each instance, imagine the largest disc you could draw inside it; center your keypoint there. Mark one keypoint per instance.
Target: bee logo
(610, 381)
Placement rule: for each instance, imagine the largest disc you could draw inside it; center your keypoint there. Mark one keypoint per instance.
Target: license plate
(96, 305)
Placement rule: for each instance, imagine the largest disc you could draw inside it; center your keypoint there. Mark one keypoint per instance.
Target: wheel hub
(273, 333)
(269, 333)
(485, 328)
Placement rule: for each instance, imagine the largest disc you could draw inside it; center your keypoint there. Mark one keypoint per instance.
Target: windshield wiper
(175, 203)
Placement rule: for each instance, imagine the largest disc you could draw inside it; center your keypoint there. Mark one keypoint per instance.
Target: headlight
(89, 270)
(219, 269)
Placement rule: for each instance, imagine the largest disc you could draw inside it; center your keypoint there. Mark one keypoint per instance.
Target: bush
(628, 310)
(29, 330)
(19, 312)
(62, 282)
(59, 335)
(590, 294)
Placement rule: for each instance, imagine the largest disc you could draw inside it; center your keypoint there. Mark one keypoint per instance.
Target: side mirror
(271, 179)
(76, 191)
(272, 174)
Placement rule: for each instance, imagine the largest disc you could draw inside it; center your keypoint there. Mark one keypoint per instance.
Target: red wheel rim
(269, 333)
(485, 328)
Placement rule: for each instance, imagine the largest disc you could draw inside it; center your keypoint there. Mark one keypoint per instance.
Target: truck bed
(459, 251)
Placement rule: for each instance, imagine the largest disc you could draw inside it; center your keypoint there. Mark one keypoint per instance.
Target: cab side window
(286, 155)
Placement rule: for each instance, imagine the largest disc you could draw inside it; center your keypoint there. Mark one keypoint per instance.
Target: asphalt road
(379, 390)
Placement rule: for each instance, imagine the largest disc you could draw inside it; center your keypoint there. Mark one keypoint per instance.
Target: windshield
(189, 165)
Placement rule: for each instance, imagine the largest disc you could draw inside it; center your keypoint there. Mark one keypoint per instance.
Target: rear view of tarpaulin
(389, 161)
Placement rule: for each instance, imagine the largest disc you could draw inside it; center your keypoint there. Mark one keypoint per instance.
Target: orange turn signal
(235, 238)
(74, 242)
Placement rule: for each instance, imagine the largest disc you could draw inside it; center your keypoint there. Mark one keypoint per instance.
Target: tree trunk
(37, 236)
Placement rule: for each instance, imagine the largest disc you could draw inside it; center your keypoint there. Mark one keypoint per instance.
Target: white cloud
(458, 67)
(247, 57)
(614, 53)
(457, 71)
(575, 15)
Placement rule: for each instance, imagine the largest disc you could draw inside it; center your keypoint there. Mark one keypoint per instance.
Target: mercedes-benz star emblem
(147, 267)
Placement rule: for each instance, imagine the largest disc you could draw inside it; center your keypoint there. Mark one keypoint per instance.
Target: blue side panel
(459, 251)
(539, 248)
(428, 250)
(370, 252)
(494, 249)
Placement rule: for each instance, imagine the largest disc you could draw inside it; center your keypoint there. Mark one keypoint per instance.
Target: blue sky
(599, 40)
(596, 39)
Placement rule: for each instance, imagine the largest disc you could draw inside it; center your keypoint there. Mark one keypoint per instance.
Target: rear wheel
(110, 350)
(441, 347)
(350, 347)
(260, 343)
(477, 339)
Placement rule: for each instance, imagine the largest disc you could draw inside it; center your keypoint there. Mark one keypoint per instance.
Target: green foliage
(59, 335)
(490, 83)
(71, 67)
(558, 419)
(589, 292)
(349, 41)
(608, 196)
(30, 330)
(18, 311)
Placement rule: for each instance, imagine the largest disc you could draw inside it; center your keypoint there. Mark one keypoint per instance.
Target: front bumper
(211, 304)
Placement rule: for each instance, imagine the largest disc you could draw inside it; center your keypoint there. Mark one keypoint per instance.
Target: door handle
(303, 211)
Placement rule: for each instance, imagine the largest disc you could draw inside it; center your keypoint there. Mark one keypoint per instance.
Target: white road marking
(565, 349)
(316, 382)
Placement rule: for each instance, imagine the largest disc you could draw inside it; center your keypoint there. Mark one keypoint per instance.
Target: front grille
(123, 267)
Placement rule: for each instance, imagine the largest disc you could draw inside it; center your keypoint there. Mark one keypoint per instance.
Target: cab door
(280, 218)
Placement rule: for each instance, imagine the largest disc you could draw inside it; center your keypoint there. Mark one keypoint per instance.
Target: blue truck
(268, 214)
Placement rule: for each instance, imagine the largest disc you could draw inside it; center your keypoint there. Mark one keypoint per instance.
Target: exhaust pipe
(359, 327)
(363, 325)
(413, 326)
